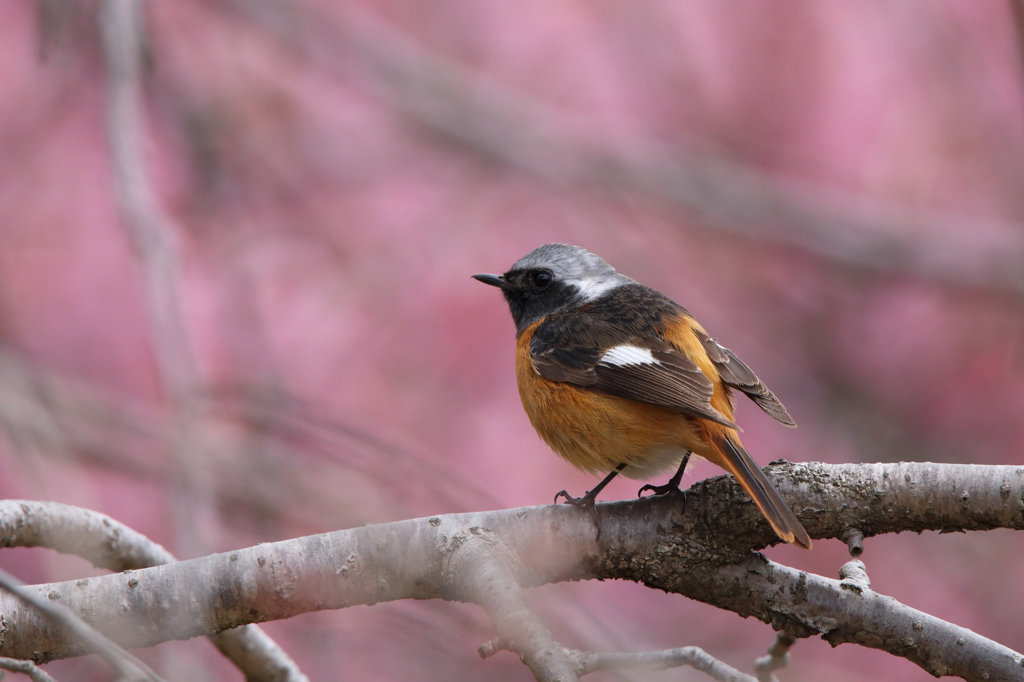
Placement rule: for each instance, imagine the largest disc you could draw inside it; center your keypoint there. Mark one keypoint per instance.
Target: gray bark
(698, 544)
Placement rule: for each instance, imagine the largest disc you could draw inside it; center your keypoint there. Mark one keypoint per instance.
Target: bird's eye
(541, 279)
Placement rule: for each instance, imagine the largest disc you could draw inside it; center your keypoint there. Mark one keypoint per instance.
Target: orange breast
(596, 432)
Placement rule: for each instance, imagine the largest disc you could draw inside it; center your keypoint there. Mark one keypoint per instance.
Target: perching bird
(618, 378)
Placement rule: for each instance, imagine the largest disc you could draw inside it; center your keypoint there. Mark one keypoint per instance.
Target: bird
(617, 378)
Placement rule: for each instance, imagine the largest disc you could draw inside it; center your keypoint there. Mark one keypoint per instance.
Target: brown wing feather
(675, 382)
(735, 373)
(570, 351)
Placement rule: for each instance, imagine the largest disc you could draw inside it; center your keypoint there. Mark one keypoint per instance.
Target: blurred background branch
(466, 107)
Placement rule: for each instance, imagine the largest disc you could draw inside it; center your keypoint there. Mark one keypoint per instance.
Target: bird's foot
(666, 489)
(673, 484)
(584, 502)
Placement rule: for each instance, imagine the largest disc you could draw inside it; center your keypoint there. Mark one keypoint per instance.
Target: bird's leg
(588, 498)
(673, 483)
(587, 501)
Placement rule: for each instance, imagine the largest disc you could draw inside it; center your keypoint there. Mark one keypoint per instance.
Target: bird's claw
(586, 502)
(569, 499)
(666, 489)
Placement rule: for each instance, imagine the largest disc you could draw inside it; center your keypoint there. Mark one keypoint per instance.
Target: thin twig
(692, 656)
(778, 657)
(489, 648)
(124, 664)
(593, 661)
(854, 540)
(29, 668)
(854, 576)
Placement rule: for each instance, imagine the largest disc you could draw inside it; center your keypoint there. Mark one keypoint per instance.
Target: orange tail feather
(737, 462)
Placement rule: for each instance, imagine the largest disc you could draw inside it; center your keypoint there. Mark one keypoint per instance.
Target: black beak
(493, 280)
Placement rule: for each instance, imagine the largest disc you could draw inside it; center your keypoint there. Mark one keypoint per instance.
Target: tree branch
(150, 228)
(68, 628)
(684, 543)
(778, 657)
(25, 668)
(483, 573)
(108, 544)
(694, 657)
(593, 661)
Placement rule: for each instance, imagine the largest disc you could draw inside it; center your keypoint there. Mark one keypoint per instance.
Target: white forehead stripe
(628, 355)
(594, 287)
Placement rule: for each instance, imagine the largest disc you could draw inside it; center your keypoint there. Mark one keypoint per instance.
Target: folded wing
(735, 373)
(590, 352)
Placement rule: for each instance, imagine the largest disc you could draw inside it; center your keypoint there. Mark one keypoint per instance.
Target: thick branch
(700, 549)
(806, 604)
(873, 499)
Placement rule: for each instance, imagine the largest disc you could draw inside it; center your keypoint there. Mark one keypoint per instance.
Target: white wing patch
(628, 355)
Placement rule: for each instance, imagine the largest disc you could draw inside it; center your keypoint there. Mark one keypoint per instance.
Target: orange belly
(596, 432)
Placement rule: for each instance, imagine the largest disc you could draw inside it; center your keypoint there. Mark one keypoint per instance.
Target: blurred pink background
(833, 189)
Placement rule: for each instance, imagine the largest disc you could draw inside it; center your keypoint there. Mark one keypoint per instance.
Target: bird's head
(553, 278)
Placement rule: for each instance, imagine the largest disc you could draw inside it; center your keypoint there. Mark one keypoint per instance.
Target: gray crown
(574, 265)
